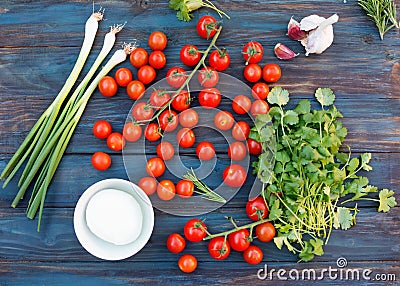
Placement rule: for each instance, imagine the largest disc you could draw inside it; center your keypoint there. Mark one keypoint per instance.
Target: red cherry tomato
(219, 60)
(253, 255)
(168, 120)
(185, 188)
(176, 243)
(205, 151)
(123, 76)
(159, 98)
(219, 248)
(190, 55)
(101, 161)
(132, 132)
(207, 26)
(146, 74)
(209, 97)
(115, 141)
(166, 190)
(135, 89)
(252, 72)
(148, 185)
(239, 240)
(241, 131)
(139, 57)
(241, 104)
(157, 41)
(208, 77)
(152, 132)
(260, 90)
(142, 111)
(265, 232)
(259, 106)
(256, 209)
(108, 86)
(254, 147)
(234, 176)
(187, 263)
(165, 150)
(271, 73)
(102, 129)
(181, 101)
(237, 151)
(195, 230)
(185, 138)
(157, 60)
(155, 167)
(253, 52)
(176, 77)
(188, 118)
(224, 120)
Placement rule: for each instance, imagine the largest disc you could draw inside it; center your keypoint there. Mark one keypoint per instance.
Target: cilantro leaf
(365, 158)
(353, 165)
(386, 200)
(306, 253)
(325, 96)
(317, 246)
(278, 96)
(275, 212)
(175, 4)
(303, 107)
(343, 218)
(278, 240)
(290, 117)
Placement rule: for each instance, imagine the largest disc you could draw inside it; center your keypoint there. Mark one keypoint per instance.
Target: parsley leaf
(386, 200)
(325, 96)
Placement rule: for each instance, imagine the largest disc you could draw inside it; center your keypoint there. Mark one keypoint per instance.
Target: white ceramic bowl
(103, 249)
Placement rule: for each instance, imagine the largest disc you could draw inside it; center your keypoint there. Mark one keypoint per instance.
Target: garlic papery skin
(284, 53)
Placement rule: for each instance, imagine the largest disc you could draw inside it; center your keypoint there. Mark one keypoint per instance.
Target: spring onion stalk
(37, 136)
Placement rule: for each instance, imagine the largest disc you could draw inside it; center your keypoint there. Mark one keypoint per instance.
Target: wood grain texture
(39, 42)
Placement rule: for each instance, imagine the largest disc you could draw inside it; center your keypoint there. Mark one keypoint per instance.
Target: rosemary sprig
(203, 189)
(382, 13)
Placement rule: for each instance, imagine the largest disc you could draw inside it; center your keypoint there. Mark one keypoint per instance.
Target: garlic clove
(284, 53)
(294, 31)
(311, 22)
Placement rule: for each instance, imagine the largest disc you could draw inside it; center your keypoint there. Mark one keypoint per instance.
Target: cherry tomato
(132, 132)
(101, 161)
(108, 86)
(176, 77)
(207, 26)
(187, 263)
(148, 185)
(168, 120)
(260, 90)
(115, 141)
(252, 72)
(176, 243)
(237, 151)
(142, 111)
(139, 57)
(205, 151)
(253, 255)
(155, 167)
(157, 60)
(188, 118)
(241, 131)
(259, 106)
(185, 137)
(219, 248)
(234, 176)
(190, 55)
(159, 98)
(239, 240)
(194, 230)
(219, 60)
(157, 41)
(166, 190)
(165, 150)
(146, 74)
(254, 147)
(241, 104)
(185, 188)
(265, 232)
(152, 132)
(208, 77)
(224, 120)
(135, 89)
(123, 76)
(181, 101)
(209, 97)
(252, 52)
(256, 209)
(271, 73)
(102, 129)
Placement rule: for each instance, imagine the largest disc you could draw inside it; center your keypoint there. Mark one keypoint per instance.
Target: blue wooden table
(39, 42)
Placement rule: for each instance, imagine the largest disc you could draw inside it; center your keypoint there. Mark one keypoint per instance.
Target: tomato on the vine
(185, 137)
(219, 248)
(132, 132)
(205, 151)
(181, 101)
(256, 209)
(123, 76)
(253, 255)
(240, 239)
(188, 118)
(260, 90)
(115, 141)
(219, 60)
(168, 120)
(148, 185)
(237, 151)
(271, 72)
(252, 52)
(139, 57)
(224, 120)
(234, 176)
(187, 263)
(190, 55)
(240, 131)
(142, 111)
(166, 190)
(209, 97)
(101, 161)
(152, 132)
(252, 72)
(265, 232)
(176, 243)
(208, 77)
(157, 41)
(146, 74)
(176, 77)
(159, 98)
(157, 60)
(108, 86)
(207, 26)
(195, 230)
(135, 89)
(259, 106)
(102, 129)
(165, 150)
(185, 188)
(241, 104)
(155, 167)
(254, 147)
